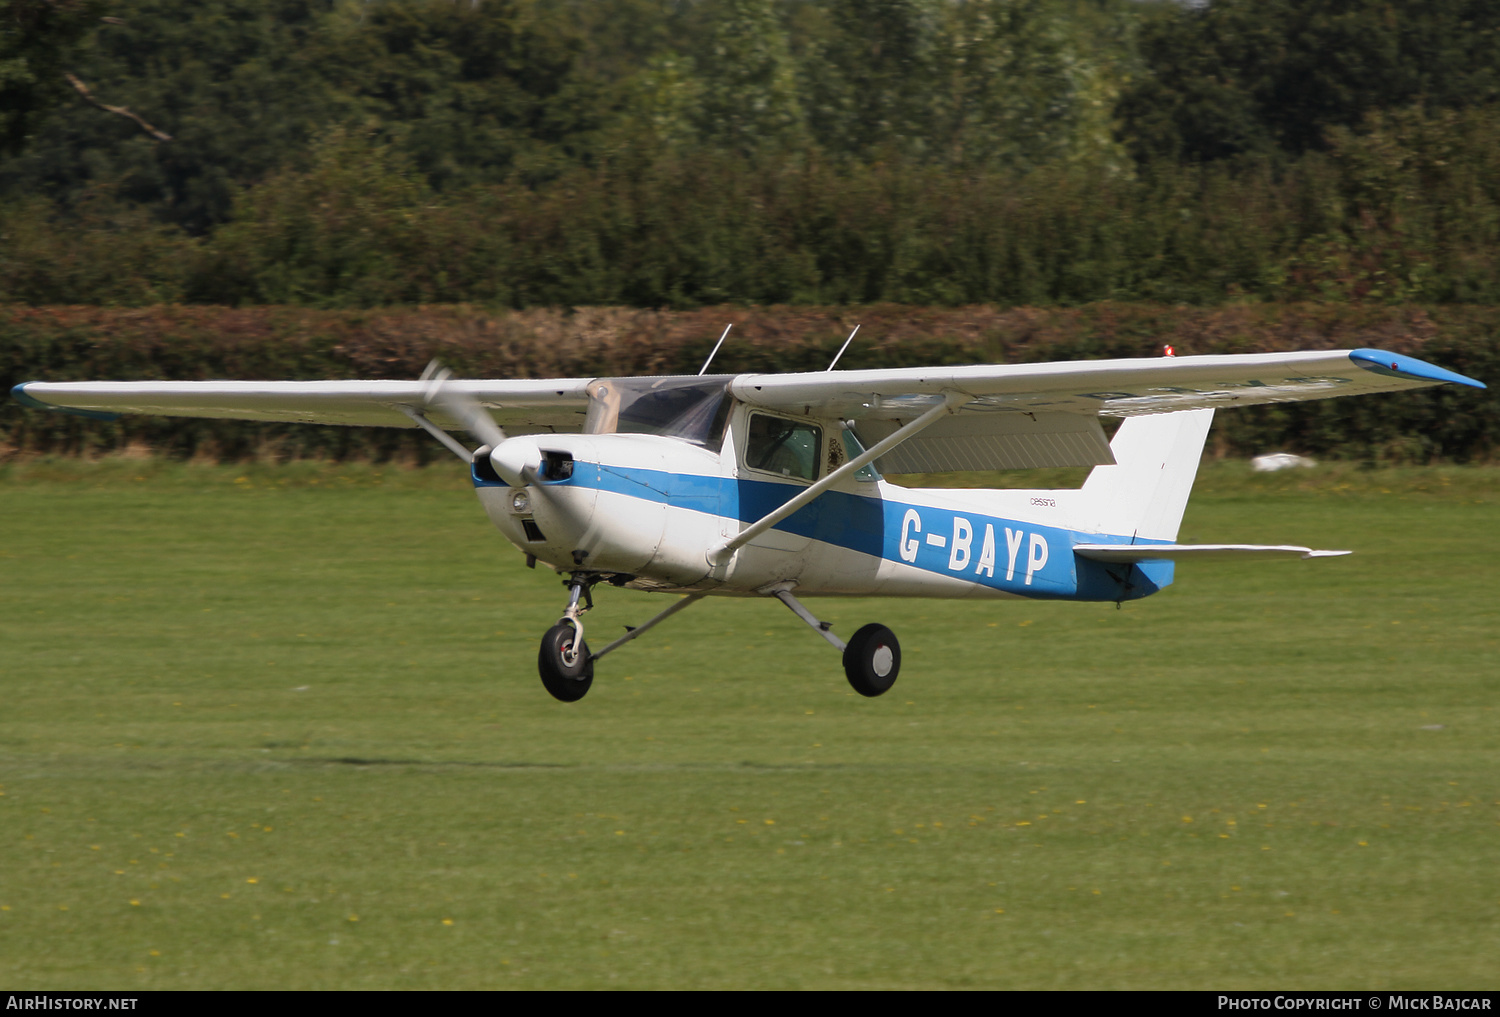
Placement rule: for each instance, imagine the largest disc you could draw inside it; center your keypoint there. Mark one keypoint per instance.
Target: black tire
(568, 683)
(872, 660)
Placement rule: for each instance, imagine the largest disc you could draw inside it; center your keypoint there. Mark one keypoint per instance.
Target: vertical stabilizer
(1143, 495)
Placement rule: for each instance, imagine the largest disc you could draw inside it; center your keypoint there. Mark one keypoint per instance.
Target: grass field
(280, 727)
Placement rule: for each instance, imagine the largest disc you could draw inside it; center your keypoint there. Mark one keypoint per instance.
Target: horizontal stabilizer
(1195, 552)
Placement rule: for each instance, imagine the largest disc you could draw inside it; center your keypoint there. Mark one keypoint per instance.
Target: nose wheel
(566, 668)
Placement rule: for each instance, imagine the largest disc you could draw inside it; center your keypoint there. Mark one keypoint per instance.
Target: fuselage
(645, 509)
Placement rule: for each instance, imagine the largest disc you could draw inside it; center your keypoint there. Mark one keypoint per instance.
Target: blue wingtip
(20, 395)
(1396, 365)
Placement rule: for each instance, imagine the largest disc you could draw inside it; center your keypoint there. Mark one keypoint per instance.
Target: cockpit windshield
(693, 409)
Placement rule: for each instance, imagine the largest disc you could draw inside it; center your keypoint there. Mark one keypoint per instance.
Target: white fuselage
(649, 508)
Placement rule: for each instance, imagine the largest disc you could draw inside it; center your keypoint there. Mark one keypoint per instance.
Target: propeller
(516, 460)
(459, 405)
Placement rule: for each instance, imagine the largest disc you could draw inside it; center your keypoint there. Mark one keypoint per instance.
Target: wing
(1093, 387)
(521, 407)
(1028, 415)
(1016, 415)
(1195, 552)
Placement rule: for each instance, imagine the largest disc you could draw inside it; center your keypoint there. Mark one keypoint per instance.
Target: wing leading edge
(520, 406)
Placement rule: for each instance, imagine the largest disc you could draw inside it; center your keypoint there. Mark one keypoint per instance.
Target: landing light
(520, 501)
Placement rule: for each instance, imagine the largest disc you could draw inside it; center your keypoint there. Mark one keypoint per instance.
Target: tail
(1144, 494)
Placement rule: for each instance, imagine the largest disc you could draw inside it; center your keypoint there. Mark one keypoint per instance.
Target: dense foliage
(653, 153)
(1276, 76)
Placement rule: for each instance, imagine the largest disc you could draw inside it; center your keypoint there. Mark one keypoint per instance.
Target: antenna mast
(842, 348)
(715, 350)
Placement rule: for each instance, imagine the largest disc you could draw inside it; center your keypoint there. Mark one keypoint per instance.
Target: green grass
(280, 727)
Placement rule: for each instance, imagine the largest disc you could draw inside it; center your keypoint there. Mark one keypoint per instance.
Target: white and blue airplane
(770, 485)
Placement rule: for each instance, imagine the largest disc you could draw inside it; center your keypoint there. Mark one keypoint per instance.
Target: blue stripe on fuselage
(1024, 558)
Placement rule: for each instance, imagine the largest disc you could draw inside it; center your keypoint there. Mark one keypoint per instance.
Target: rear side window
(787, 448)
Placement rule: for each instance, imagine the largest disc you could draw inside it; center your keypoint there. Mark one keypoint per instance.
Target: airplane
(771, 485)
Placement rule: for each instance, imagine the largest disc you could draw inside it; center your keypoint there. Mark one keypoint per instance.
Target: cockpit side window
(788, 448)
(692, 409)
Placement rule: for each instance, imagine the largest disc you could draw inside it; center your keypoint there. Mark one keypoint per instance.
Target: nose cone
(516, 460)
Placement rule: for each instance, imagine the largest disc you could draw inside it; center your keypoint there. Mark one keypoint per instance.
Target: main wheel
(565, 673)
(872, 660)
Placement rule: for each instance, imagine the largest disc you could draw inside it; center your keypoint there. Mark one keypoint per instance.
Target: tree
(236, 83)
(750, 97)
(1242, 76)
(37, 40)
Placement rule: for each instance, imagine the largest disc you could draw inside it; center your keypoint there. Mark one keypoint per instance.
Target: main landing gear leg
(872, 659)
(566, 667)
(635, 631)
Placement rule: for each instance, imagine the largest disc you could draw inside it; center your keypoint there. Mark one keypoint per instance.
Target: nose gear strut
(580, 587)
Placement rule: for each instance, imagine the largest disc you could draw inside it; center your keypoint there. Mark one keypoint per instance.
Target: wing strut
(437, 432)
(721, 554)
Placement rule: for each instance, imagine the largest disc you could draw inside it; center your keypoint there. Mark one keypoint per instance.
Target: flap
(997, 440)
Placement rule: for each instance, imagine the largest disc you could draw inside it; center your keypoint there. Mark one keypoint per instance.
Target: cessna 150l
(769, 485)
